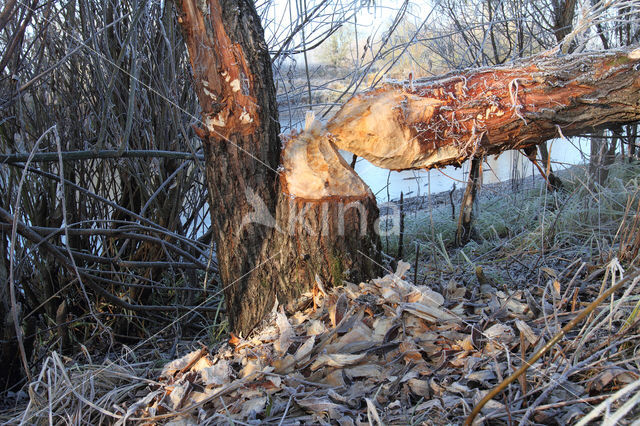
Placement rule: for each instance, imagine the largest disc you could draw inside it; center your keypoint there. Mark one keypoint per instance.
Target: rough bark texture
(563, 13)
(437, 122)
(464, 231)
(271, 242)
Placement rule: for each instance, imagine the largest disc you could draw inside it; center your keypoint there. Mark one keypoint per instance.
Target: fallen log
(441, 121)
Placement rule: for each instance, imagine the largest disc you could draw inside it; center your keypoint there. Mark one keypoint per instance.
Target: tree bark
(563, 13)
(464, 231)
(602, 157)
(553, 181)
(596, 153)
(276, 226)
(443, 121)
(632, 133)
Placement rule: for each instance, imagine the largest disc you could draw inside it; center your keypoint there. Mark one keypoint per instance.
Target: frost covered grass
(582, 215)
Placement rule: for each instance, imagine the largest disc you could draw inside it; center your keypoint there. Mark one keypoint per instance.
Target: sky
(373, 19)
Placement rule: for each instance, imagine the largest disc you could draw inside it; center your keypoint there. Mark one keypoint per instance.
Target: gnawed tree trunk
(275, 228)
(281, 219)
(438, 122)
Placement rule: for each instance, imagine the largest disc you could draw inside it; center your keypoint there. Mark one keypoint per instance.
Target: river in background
(509, 165)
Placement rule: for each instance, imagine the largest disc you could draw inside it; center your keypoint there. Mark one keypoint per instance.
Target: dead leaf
(322, 405)
(419, 387)
(365, 370)
(284, 365)
(610, 376)
(490, 406)
(549, 271)
(428, 313)
(429, 405)
(337, 310)
(250, 367)
(253, 407)
(336, 360)
(335, 379)
(218, 374)
(410, 351)
(526, 331)
(234, 340)
(466, 344)
(481, 377)
(408, 347)
(178, 395)
(201, 364)
(305, 349)
(500, 333)
(174, 366)
(298, 318)
(512, 303)
(455, 291)
(286, 333)
(315, 328)
(430, 297)
(457, 387)
(197, 397)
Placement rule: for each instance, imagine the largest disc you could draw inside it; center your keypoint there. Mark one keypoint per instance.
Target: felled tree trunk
(442, 121)
(278, 220)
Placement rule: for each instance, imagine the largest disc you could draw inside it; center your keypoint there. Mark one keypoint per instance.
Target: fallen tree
(286, 218)
(443, 121)
(447, 120)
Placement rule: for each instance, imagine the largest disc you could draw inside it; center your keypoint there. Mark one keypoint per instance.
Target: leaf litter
(383, 352)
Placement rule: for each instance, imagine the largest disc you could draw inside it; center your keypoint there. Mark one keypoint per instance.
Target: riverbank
(487, 190)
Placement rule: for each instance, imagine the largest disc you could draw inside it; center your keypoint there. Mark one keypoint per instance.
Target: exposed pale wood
(442, 121)
(314, 170)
